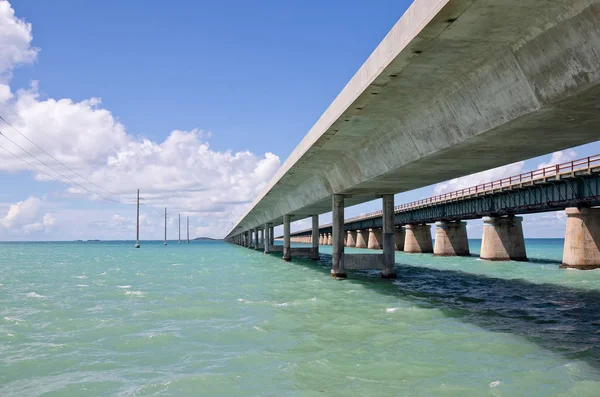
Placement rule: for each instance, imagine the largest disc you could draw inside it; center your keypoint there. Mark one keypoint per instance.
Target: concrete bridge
(456, 87)
(571, 185)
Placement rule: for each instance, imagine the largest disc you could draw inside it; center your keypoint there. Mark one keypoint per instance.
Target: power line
(38, 169)
(58, 172)
(55, 159)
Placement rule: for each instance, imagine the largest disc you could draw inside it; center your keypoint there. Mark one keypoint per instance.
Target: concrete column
(399, 237)
(418, 239)
(582, 239)
(258, 238)
(351, 239)
(362, 236)
(315, 238)
(267, 238)
(345, 239)
(287, 253)
(503, 239)
(374, 242)
(272, 235)
(337, 240)
(389, 256)
(330, 239)
(451, 239)
(321, 239)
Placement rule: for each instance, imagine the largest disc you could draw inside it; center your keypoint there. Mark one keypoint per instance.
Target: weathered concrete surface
(303, 251)
(451, 239)
(287, 254)
(337, 242)
(351, 239)
(503, 239)
(375, 239)
(456, 87)
(314, 238)
(364, 262)
(399, 237)
(362, 236)
(418, 239)
(389, 254)
(582, 239)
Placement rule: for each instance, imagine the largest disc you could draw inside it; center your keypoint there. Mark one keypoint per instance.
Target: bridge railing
(526, 177)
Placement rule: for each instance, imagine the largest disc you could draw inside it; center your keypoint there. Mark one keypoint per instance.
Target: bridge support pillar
(272, 235)
(287, 247)
(351, 239)
(337, 240)
(267, 238)
(362, 236)
(418, 239)
(399, 237)
(582, 239)
(451, 239)
(330, 239)
(503, 239)
(389, 236)
(315, 238)
(374, 242)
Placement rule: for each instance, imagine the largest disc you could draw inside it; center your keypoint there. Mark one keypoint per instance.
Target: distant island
(204, 239)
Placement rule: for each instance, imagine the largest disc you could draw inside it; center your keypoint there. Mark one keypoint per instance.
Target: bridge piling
(287, 253)
(267, 238)
(337, 224)
(451, 239)
(351, 238)
(582, 239)
(399, 236)
(418, 239)
(503, 239)
(389, 254)
(314, 237)
(374, 242)
(362, 236)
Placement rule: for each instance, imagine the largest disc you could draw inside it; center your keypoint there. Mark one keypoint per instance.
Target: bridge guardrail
(555, 170)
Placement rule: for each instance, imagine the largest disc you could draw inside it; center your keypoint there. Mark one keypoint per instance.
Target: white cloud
(49, 220)
(182, 172)
(15, 40)
(20, 213)
(559, 157)
(24, 217)
(479, 178)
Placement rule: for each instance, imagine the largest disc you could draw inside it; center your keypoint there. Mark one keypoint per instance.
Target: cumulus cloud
(21, 212)
(559, 157)
(24, 216)
(479, 178)
(15, 46)
(181, 172)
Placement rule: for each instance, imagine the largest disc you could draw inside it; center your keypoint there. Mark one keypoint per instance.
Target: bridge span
(456, 87)
(574, 184)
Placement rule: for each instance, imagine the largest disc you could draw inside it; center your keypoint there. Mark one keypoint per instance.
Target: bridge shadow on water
(558, 318)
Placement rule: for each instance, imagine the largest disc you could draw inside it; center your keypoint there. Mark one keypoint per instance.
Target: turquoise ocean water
(214, 319)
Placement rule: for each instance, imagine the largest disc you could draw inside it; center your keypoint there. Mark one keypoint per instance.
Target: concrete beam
(364, 262)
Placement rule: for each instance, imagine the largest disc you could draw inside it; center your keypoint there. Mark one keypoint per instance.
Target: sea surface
(215, 319)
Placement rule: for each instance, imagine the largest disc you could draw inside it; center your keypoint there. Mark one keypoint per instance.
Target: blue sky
(236, 84)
